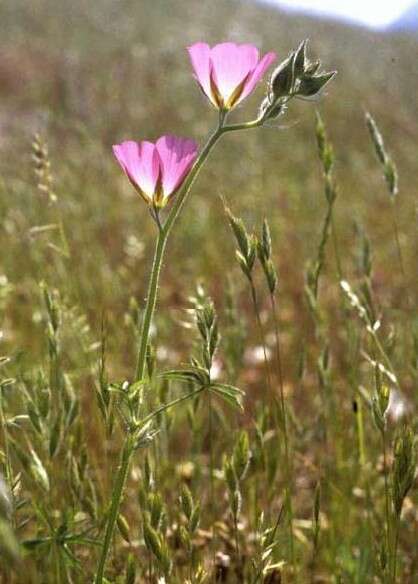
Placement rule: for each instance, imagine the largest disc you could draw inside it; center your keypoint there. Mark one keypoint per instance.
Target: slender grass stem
(336, 248)
(398, 243)
(387, 494)
(288, 466)
(360, 434)
(383, 353)
(395, 548)
(8, 468)
(262, 337)
(211, 456)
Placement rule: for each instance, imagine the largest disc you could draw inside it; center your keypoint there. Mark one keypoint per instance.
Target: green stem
(288, 467)
(336, 248)
(398, 243)
(164, 232)
(262, 337)
(360, 434)
(151, 301)
(150, 304)
(8, 468)
(395, 548)
(117, 493)
(387, 506)
(383, 354)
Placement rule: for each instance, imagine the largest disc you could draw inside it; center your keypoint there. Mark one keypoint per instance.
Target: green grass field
(320, 490)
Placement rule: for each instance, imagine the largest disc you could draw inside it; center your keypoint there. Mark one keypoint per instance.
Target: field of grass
(318, 488)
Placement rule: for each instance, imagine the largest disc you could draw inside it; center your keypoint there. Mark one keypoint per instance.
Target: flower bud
(283, 78)
(311, 85)
(295, 76)
(300, 59)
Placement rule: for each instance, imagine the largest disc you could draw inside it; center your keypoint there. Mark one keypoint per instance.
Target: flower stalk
(163, 234)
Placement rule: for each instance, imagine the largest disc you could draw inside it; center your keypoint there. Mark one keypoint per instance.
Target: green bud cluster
(296, 76)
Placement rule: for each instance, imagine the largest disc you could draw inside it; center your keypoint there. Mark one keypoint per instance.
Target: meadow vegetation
(289, 288)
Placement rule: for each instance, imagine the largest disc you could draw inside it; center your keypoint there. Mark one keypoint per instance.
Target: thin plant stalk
(262, 337)
(398, 241)
(336, 248)
(128, 449)
(211, 455)
(395, 547)
(387, 504)
(164, 231)
(399, 251)
(3, 424)
(288, 466)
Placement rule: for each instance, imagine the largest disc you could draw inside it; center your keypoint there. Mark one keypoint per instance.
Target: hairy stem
(115, 505)
(150, 304)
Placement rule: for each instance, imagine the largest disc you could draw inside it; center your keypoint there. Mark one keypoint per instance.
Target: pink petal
(176, 158)
(140, 162)
(231, 64)
(199, 54)
(257, 74)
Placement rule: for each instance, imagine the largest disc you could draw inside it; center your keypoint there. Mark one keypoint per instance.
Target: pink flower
(227, 73)
(157, 170)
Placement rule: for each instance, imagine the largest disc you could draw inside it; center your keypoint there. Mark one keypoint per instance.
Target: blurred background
(391, 15)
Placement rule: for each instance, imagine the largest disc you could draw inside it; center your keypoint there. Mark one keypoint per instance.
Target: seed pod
(266, 240)
(389, 168)
(186, 501)
(123, 527)
(230, 478)
(241, 456)
(241, 235)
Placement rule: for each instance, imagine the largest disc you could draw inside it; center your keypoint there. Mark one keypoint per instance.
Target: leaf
(194, 374)
(229, 393)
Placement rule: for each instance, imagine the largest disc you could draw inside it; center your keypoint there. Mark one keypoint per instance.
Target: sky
(371, 12)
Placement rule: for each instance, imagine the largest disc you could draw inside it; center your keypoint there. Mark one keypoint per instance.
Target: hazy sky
(373, 12)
